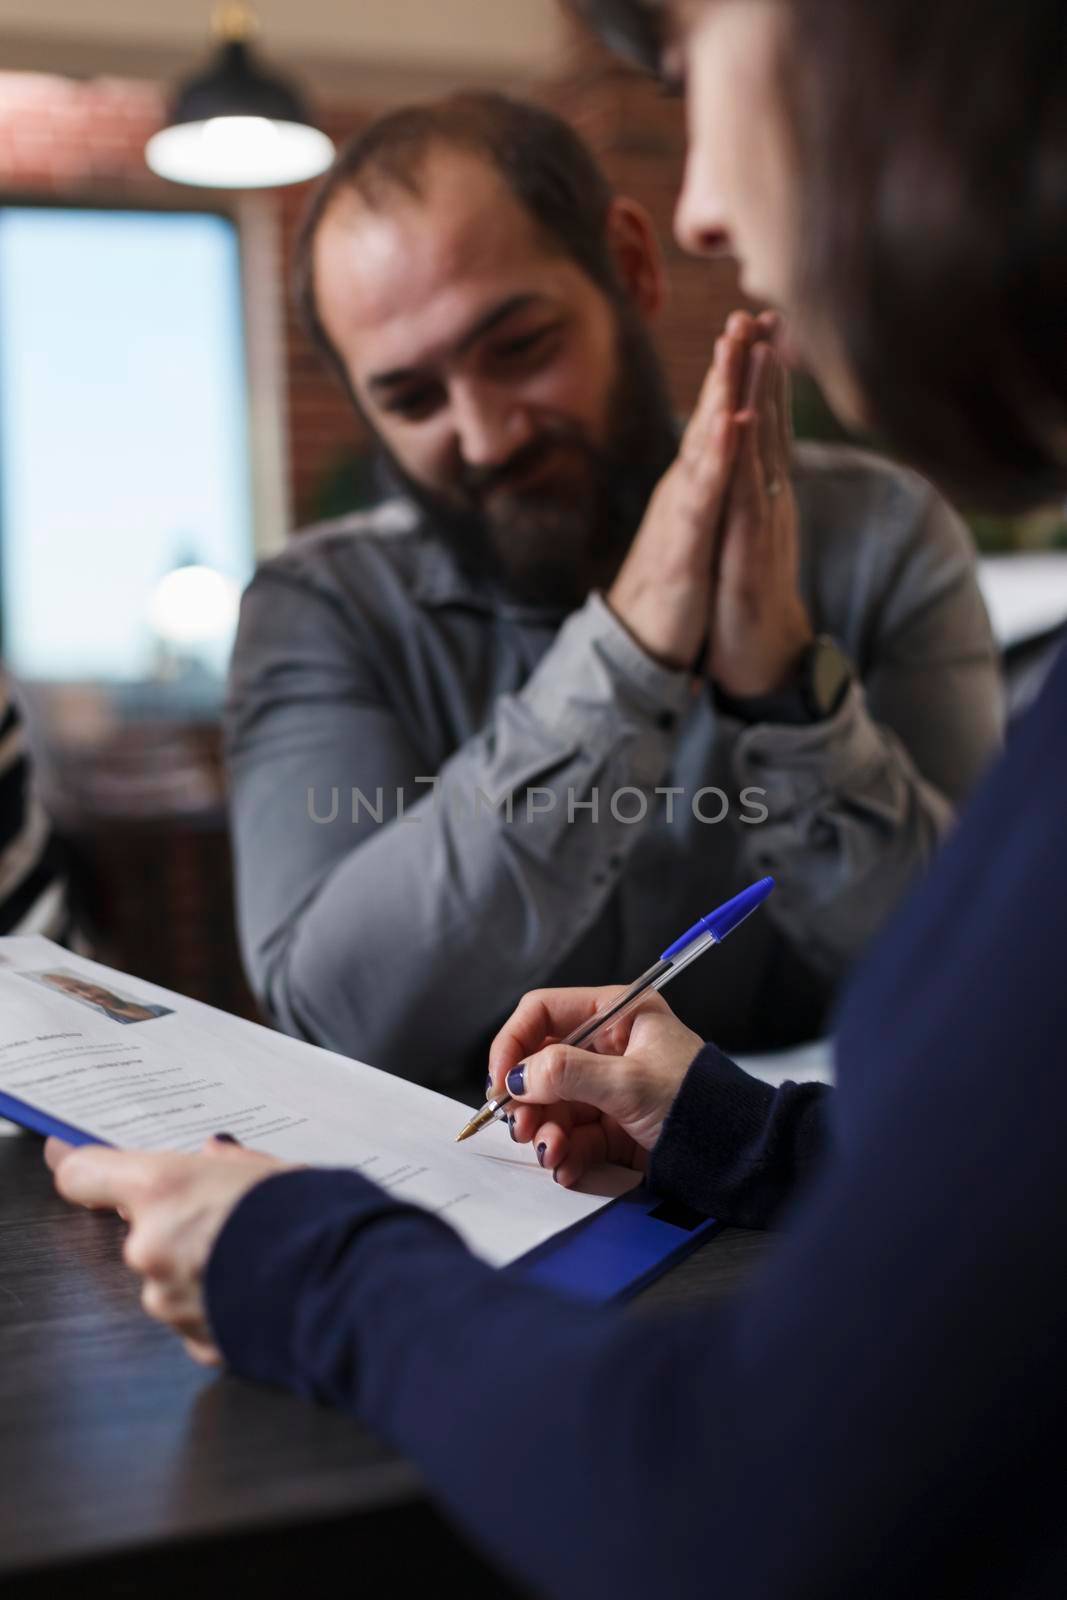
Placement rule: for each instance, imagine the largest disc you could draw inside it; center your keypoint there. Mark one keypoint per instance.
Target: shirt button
(666, 721)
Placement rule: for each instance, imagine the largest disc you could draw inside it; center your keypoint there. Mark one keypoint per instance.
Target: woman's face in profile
(739, 196)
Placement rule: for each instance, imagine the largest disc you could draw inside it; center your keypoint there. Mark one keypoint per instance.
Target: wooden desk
(127, 1470)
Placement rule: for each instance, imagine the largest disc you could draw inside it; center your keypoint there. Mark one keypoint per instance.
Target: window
(126, 521)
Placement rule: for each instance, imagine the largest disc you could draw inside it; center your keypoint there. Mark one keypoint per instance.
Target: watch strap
(814, 693)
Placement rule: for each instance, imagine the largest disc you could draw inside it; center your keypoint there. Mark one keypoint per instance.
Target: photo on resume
(86, 992)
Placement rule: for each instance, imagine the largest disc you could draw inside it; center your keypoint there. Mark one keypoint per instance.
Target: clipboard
(609, 1256)
(615, 1253)
(633, 1239)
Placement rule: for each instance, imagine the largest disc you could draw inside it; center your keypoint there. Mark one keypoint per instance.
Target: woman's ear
(637, 255)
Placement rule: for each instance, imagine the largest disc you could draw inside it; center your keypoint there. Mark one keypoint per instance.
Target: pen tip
(480, 1120)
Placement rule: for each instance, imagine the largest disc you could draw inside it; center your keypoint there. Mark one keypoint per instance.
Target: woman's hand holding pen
(581, 1107)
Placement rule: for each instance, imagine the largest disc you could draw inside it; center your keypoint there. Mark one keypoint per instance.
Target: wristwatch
(816, 690)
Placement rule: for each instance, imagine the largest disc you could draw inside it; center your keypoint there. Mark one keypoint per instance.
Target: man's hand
(715, 560)
(175, 1206)
(759, 626)
(663, 591)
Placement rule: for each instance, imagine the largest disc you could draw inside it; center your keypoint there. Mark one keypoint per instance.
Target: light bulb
(194, 606)
(239, 153)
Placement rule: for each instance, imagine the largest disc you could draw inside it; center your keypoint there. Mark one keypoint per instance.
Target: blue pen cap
(723, 921)
(734, 912)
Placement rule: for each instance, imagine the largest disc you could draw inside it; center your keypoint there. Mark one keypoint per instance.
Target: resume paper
(136, 1066)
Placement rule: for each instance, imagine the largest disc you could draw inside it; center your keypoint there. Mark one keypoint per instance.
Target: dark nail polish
(541, 1148)
(555, 1174)
(226, 1138)
(488, 1086)
(517, 1079)
(511, 1126)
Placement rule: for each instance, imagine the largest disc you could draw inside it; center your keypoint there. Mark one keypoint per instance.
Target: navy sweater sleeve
(880, 1415)
(735, 1148)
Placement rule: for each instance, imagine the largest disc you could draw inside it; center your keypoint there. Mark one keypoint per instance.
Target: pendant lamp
(236, 125)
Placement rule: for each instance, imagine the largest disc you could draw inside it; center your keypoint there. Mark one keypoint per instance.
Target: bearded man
(570, 684)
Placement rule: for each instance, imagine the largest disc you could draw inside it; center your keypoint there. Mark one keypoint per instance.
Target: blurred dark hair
(634, 29)
(544, 163)
(931, 141)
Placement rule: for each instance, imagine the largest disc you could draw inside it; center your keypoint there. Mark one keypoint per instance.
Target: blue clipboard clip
(28, 1116)
(617, 1251)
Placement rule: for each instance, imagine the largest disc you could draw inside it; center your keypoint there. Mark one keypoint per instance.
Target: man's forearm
(480, 889)
(850, 823)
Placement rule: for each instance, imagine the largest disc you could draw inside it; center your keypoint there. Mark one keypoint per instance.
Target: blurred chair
(143, 819)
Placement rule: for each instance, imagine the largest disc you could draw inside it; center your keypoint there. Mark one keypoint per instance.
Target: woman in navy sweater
(882, 1413)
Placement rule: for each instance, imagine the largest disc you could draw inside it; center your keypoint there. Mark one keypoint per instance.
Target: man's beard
(550, 545)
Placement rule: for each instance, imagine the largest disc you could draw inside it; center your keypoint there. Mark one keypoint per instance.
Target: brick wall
(638, 133)
(67, 140)
(324, 428)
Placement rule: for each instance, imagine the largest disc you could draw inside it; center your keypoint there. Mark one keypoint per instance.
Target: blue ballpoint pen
(703, 935)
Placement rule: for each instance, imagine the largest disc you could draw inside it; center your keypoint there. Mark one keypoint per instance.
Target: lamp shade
(236, 126)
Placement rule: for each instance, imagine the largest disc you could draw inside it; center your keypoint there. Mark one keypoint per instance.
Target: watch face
(831, 673)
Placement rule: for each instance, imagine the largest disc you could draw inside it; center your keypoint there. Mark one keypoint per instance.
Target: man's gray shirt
(548, 794)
